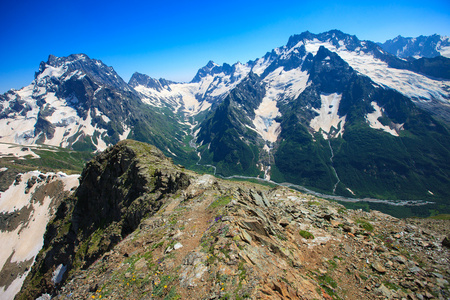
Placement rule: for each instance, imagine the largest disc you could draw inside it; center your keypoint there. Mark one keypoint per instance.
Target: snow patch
(58, 274)
(281, 86)
(52, 72)
(328, 119)
(350, 191)
(13, 288)
(372, 119)
(415, 86)
(286, 84)
(126, 132)
(168, 150)
(445, 51)
(16, 150)
(261, 65)
(313, 46)
(178, 96)
(264, 121)
(27, 239)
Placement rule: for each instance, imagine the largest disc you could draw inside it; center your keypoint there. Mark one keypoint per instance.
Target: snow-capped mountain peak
(64, 104)
(81, 63)
(209, 86)
(369, 59)
(334, 37)
(422, 46)
(211, 69)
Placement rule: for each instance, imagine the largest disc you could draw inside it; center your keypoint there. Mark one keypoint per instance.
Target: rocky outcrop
(140, 227)
(117, 189)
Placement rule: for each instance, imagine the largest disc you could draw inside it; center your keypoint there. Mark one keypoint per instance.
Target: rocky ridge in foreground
(169, 233)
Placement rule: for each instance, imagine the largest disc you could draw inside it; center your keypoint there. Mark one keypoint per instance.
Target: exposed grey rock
(44, 297)
(258, 199)
(400, 259)
(377, 266)
(441, 282)
(58, 274)
(446, 241)
(245, 236)
(384, 291)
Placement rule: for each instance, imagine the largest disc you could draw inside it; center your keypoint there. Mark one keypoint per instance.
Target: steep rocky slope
(139, 227)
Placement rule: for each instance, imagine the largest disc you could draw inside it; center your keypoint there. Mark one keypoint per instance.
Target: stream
(194, 145)
(334, 170)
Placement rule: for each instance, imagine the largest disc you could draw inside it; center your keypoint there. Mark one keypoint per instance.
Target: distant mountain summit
(81, 63)
(422, 46)
(138, 79)
(79, 103)
(211, 69)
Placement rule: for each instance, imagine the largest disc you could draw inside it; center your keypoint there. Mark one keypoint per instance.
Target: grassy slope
(52, 159)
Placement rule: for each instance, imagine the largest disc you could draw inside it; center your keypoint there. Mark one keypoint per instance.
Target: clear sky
(173, 39)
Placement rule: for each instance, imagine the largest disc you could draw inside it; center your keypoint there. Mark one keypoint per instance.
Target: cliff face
(140, 227)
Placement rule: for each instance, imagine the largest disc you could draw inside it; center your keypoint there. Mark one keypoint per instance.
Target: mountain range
(422, 46)
(327, 111)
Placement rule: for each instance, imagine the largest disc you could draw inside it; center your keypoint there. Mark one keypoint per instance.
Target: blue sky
(173, 39)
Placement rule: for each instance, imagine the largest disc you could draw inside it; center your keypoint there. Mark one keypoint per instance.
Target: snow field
(413, 85)
(328, 115)
(27, 239)
(281, 86)
(372, 119)
(15, 150)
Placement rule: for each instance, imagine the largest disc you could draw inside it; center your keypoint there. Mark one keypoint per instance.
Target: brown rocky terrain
(139, 227)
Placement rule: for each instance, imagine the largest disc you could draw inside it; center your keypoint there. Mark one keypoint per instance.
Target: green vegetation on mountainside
(51, 159)
(414, 165)
(229, 142)
(301, 160)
